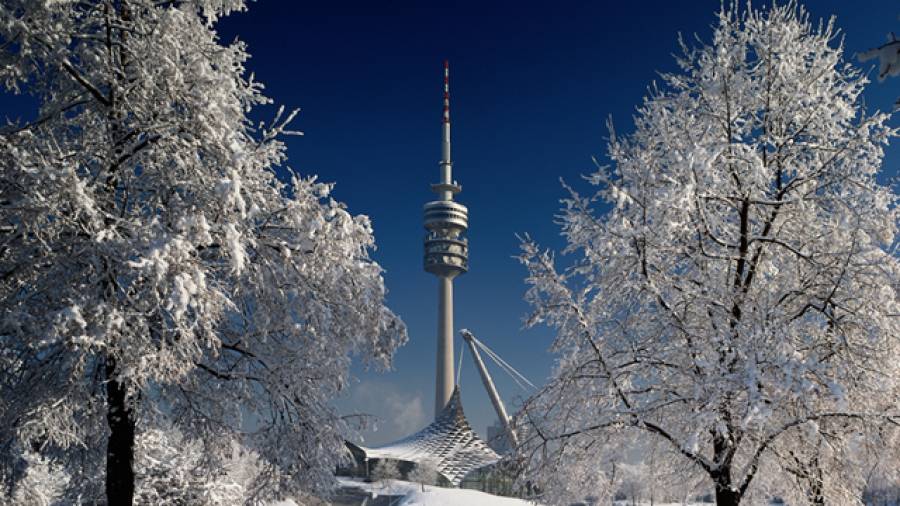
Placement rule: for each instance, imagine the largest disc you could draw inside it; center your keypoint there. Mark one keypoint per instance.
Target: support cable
(518, 377)
(459, 363)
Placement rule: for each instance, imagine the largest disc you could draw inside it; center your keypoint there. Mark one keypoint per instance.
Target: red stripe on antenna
(445, 118)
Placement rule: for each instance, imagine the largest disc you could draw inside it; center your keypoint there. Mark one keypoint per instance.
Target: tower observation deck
(446, 253)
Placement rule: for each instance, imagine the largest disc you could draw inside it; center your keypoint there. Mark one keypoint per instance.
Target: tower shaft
(444, 381)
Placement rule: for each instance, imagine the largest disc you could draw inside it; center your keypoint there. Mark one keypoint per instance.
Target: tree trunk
(120, 445)
(723, 453)
(726, 493)
(817, 498)
(816, 494)
(727, 497)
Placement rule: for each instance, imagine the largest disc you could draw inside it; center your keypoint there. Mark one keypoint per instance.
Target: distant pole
(446, 253)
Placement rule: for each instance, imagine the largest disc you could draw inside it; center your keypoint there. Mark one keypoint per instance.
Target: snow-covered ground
(412, 494)
(647, 503)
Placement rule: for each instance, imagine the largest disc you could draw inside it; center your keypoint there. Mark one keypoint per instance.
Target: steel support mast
(491, 389)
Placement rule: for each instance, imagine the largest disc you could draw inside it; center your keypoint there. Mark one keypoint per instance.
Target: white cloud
(397, 413)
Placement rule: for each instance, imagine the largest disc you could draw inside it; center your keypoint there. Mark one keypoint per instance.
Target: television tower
(446, 253)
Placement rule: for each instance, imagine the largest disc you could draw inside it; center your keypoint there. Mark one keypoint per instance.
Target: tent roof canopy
(449, 444)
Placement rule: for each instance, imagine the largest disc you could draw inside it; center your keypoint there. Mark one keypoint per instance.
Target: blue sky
(532, 85)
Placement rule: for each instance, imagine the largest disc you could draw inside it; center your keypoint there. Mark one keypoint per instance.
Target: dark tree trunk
(727, 497)
(816, 498)
(120, 446)
(816, 492)
(723, 453)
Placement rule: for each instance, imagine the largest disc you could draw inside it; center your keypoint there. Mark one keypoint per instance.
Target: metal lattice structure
(448, 443)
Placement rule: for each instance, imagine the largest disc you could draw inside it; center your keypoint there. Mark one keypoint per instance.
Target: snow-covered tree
(634, 484)
(152, 263)
(888, 56)
(733, 287)
(169, 472)
(385, 470)
(41, 483)
(424, 473)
